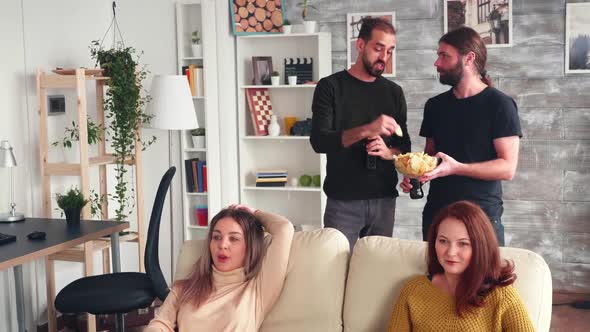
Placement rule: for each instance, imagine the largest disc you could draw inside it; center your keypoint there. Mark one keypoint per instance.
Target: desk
(60, 236)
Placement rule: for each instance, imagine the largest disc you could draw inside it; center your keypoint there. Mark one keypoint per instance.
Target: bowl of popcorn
(415, 164)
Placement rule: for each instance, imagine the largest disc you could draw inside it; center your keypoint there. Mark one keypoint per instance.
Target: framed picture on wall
(256, 16)
(262, 69)
(492, 19)
(577, 38)
(353, 26)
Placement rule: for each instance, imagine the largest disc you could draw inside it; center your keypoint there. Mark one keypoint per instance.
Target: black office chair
(118, 293)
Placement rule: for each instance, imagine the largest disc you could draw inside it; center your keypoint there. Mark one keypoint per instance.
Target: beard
(452, 76)
(371, 68)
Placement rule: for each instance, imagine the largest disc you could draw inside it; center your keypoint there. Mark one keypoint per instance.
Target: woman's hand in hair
(243, 207)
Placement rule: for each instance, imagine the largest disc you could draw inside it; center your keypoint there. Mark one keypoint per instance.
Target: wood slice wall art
(257, 16)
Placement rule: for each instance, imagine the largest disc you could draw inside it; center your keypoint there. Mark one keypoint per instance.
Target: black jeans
(360, 218)
(428, 216)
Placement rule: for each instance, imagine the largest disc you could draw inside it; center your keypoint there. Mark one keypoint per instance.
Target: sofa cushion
(380, 267)
(313, 294)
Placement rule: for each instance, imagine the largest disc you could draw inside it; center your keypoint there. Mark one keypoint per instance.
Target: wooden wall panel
(546, 206)
(576, 187)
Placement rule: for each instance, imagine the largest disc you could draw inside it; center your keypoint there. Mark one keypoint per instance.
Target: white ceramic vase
(275, 80)
(309, 26)
(199, 142)
(292, 80)
(273, 126)
(286, 29)
(197, 50)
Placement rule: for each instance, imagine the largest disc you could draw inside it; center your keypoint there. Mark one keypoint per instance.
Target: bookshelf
(302, 205)
(199, 15)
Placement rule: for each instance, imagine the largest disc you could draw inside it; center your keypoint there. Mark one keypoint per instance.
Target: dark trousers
(360, 218)
(428, 216)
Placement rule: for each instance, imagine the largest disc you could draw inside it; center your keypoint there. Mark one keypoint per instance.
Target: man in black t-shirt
(475, 130)
(356, 114)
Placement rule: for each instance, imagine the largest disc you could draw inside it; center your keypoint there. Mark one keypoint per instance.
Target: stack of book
(271, 178)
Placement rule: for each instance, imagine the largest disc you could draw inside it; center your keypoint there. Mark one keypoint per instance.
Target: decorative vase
(275, 80)
(292, 80)
(73, 216)
(309, 26)
(286, 29)
(197, 50)
(198, 142)
(273, 126)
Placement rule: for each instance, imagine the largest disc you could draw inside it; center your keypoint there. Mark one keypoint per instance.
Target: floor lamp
(172, 106)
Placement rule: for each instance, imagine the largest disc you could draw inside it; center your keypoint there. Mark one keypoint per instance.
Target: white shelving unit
(199, 15)
(302, 205)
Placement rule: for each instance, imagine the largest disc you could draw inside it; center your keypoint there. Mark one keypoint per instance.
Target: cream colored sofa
(327, 292)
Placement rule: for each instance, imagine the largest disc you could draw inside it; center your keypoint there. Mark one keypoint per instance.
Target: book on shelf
(277, 179)
(196, 175)
(194, 75)
(271, 184)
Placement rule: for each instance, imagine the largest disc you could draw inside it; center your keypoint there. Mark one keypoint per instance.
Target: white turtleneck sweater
(235, 304)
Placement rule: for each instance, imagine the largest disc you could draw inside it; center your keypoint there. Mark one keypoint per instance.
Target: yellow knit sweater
(423, 307)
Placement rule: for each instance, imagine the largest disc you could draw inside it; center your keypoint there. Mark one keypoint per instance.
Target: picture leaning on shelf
(261, 69)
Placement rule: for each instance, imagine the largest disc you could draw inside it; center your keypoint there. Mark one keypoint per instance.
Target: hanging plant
(124, 107)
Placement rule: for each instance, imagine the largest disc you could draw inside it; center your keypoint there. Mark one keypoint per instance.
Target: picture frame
(256, 17)
(492, 19)
(56, 104)
(353, 25)
(262, 70)
(577, 38)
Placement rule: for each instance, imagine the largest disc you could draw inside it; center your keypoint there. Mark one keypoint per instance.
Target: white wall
(49, 34)
(13, 127)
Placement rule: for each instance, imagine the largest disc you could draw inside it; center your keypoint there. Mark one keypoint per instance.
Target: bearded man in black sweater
(359, 122)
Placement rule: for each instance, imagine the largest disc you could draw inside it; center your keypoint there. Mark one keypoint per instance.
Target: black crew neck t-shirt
(465, 130)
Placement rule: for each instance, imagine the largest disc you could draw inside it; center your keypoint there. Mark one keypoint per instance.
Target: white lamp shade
(171, 103)
(6, 156)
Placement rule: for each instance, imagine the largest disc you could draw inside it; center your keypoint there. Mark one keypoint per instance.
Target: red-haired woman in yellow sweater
(468, 286)
(236, 281)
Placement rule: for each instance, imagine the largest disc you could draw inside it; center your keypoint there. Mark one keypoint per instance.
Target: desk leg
(116, 258)
(20, 298)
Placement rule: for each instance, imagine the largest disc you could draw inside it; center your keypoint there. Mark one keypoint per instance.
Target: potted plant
(124, 108)
(198, 136)
(72, 203)
(310, 26)
(72, 135)
(287, 27)
(196, 44)
(291, 76)
(275, 78)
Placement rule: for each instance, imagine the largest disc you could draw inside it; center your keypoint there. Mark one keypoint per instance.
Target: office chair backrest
(151, 260)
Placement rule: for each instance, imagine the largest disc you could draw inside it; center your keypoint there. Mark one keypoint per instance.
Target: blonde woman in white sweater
(236, 281)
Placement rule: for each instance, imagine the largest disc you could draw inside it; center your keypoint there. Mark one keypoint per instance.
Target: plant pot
(292, 80)
(73, 216)
(198, 142)
(286, 29)
(309, 26)
(275, 80)
(197, 50)
(71, 155)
